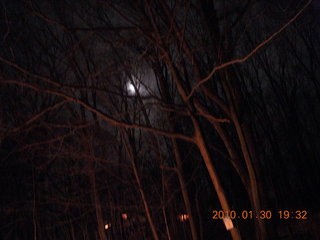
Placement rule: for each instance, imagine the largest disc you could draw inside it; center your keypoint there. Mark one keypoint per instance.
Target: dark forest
(159, 119)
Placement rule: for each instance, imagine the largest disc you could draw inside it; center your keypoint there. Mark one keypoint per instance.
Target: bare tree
(199, 67)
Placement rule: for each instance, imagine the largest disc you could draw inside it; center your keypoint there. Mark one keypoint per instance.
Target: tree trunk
(234, 97)
(199, 141)
(254, 188)
(132, 156)
(184, 191)
(97, 203)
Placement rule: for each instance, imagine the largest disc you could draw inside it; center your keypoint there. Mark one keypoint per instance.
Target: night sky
(159, 119)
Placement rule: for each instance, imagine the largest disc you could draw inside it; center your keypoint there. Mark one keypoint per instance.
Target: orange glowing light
(124, 216)
(183, 217)
(107, 226)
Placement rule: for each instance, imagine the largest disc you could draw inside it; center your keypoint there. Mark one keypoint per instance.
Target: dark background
(79, 147)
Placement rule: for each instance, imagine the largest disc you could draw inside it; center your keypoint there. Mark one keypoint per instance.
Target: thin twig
(245, 58)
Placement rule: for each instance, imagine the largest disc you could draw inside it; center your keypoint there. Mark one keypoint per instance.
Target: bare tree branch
(40, 114)
(103, 116)
(245, 58)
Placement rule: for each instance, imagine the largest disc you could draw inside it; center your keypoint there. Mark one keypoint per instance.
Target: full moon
(131, 88)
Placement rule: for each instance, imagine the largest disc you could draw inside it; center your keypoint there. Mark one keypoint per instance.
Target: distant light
(183, 217)
(107, 226)
(124, 216)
